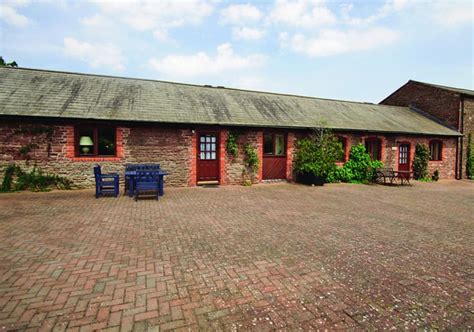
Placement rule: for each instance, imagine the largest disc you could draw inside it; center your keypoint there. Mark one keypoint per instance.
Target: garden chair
(105, 183)
(146, 182)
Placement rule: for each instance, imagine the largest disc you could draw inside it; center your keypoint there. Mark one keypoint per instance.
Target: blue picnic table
(130, 177)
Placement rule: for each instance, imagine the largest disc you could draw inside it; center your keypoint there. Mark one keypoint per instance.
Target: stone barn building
(454, 107)
(65, 123)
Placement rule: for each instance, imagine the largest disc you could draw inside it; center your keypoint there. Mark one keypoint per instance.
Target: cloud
(301, 13)
(156, 16)
(240, 14)
(333, 42)
(452, 14)
(445, 14)
(247, 33)
(10, 15)
(202, 64)
(96, 21)
(388, 8)
(96, 55)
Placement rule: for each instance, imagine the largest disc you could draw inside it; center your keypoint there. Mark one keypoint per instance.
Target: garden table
(131, 175)
(404, 177)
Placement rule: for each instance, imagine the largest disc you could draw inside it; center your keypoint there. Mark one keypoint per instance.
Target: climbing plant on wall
(251, 163)
(232, 146)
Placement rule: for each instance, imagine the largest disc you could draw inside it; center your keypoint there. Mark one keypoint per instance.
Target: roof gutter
(457, 134)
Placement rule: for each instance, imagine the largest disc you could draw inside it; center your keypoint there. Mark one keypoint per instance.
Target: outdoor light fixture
(85, 142)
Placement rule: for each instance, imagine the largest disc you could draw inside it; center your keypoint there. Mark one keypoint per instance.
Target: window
(436, 148)
(95, 141)
(373, 146)
(274, 144)
(207, 148)
(343, 142)
(268, 144)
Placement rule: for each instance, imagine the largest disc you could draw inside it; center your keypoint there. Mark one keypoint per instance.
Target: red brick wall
(446, 166)
(174, 149)
(290, 150)
(440, 103)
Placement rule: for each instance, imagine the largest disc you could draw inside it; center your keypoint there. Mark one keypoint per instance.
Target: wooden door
(404, 157)
(207, 157)
(274, 156)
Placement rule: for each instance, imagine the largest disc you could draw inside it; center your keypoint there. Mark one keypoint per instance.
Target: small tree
(317, 155)
(7, 64)
(420, 162)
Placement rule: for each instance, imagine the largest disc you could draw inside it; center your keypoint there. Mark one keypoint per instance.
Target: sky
(348, 49)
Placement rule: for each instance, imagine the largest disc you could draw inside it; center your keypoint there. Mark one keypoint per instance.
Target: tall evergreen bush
(420, 162)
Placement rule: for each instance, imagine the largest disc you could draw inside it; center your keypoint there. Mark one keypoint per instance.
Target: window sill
(95, 159)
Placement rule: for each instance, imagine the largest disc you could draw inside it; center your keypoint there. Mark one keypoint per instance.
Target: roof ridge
(198, 85)
(451, 88)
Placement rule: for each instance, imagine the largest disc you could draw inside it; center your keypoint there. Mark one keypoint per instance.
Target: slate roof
(449, 88)
(40, 93)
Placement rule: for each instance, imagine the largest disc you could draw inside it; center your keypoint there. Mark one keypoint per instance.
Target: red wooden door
(207, 158)
(404, 157)
(274, 156)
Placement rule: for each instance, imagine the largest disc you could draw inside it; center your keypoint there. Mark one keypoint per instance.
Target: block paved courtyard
(271, 256)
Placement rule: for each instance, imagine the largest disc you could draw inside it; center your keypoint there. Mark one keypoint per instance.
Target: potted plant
(316, 157)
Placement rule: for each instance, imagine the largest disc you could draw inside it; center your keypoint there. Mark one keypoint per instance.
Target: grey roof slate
(40, 93)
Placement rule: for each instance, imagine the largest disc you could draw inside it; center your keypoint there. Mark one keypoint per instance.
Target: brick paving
(271, 256)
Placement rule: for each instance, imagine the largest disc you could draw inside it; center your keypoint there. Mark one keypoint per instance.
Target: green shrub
(317, 155)
(35, 180)
(7, 182)
(420, 162)
(470, 158)
(360, 168)
(426, 179)
(247, 183)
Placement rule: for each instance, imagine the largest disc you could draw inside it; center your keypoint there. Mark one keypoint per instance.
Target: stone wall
(173, 147)
(234, 172)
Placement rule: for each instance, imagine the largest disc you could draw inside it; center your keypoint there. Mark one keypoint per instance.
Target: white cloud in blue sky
(360, 50)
